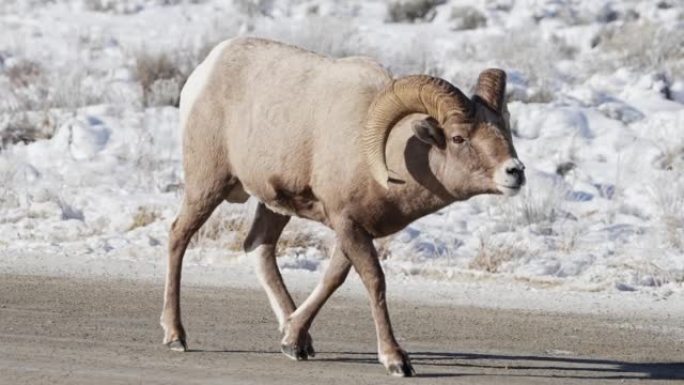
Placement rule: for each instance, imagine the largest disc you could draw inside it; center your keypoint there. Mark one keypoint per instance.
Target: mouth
(509, 190)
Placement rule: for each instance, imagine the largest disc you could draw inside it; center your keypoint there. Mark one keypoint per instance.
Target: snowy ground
(90, 156)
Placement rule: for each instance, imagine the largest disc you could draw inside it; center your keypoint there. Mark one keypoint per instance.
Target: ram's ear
(429, 131)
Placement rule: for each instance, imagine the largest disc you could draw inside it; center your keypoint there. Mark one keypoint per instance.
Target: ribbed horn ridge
(411, 94)
(491, 88)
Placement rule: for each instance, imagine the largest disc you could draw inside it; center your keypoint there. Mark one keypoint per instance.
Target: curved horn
(411, 94)
(491, 88)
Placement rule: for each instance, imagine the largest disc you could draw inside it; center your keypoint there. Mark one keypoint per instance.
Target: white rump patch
(197, 81)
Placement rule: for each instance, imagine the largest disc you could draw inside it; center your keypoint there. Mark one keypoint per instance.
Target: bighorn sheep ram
(338, 141)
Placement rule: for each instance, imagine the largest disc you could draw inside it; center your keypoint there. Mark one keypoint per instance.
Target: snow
(597, 121)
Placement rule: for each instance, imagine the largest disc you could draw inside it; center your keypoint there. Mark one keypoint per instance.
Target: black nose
(518, 172)
(514, 170)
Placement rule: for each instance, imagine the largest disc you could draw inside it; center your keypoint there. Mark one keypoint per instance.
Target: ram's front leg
(296, 339)
(357, 245)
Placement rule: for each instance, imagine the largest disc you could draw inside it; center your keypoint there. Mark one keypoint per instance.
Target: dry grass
(229, 225)
(125, 7)
(24, 73)
(254, 8)
(300, 238)
(32, 87)
(492, 255)
(668, 194)
(401, 11)
(416, 57)
(671, 146)
(540, 204)
(466, 18)
(340, 37)
(143, 217)
(226, 228)
(101, 5)
(672, 155)
(643, 45)
(569, 238)
(25, 128)
(19, 6)
(647, 273)
(160, 78)
(335, 37)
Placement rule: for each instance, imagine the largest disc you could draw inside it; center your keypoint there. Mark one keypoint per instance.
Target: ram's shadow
(467, 364)
(502, 365)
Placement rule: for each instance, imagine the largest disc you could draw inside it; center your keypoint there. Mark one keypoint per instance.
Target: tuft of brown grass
(143, 217)
(401, 11)
(668, 194)
(123, 7)
(100, 5)
(298, 238)
(24, 73)
(492, 255)
(34, 87)
(227, 227)
(160, 78)
(27, 127)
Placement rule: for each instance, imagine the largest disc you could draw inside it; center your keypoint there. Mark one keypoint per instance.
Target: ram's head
(472, 148)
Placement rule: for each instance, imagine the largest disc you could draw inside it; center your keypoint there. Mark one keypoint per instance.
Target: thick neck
(415, 165)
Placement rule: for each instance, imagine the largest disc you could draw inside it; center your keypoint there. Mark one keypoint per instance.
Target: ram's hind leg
(199, 201)
(261, 245)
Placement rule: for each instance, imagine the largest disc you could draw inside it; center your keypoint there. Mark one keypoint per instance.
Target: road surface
(75, 331)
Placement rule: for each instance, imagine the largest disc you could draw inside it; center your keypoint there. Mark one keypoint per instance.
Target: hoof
(399, 365)
(308, 346)
(298, 353)
(401, 370)
(178, 346)
(310, 350)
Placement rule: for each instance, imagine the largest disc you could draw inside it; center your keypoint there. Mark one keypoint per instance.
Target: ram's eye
(458, 139)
